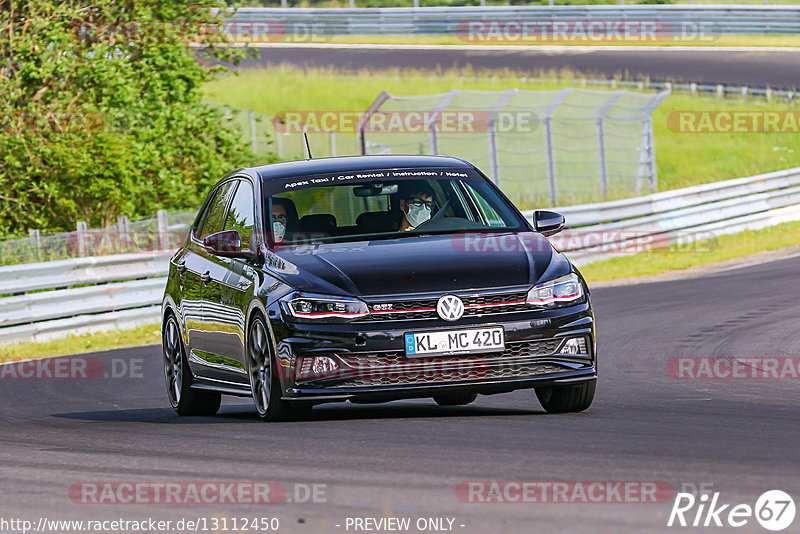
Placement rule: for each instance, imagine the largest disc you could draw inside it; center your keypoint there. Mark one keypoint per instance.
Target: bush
(103, 113)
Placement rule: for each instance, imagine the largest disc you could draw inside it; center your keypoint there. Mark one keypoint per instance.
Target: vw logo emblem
(450, 308)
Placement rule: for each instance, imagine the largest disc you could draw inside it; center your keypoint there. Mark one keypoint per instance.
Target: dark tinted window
(215, 211)
(392, 204)
(241, 214)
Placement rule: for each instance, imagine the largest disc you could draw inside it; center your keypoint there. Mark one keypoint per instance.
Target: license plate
(447, 342)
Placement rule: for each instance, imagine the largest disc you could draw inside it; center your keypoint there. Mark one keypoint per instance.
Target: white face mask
(417, 214)
(278, 231)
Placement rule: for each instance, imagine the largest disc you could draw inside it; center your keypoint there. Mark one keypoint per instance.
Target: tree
(102, 109)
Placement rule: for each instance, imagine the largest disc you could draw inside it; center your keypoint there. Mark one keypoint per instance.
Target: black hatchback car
(371, 279)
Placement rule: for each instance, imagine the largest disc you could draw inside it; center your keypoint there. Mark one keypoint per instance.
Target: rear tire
(178, 376)
(563, 399)
(455, 399)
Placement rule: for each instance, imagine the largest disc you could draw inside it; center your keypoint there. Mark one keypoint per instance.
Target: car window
(390, 208)
(213, 221)
(339, 201)
(241, 214)
(487, 212)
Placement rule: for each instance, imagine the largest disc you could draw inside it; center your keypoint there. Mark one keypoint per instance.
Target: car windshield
(384, 204)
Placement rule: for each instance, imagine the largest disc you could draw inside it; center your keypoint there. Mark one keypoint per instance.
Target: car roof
(355, 163)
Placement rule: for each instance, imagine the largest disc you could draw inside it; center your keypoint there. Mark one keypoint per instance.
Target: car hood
(419, 264)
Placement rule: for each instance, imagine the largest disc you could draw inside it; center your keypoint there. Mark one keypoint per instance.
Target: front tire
(563, 399)
(178, 376)
(264, 380)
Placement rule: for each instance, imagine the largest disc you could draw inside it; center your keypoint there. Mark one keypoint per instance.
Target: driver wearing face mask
(278, 222)
(416, 207)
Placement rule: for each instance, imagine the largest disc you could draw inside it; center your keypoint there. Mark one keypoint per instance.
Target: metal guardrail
(721, 19)
(50, 305)
(57, 298)
(679, 217)
(102, 293)
(81, 271)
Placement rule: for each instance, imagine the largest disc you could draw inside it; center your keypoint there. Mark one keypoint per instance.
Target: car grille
(520, 359)
(541, 347)
(425, 308)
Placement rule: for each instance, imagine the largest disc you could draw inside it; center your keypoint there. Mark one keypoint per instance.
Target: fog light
(323, 365)
(318, 366)
(574, 345)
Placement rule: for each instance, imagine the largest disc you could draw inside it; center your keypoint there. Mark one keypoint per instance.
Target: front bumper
(373, 367)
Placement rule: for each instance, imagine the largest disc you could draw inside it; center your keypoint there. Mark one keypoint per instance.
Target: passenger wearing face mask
(416, 207)
(278, 222)
(284, 220)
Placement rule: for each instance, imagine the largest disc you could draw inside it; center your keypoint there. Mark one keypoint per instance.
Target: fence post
(253, 132)
(548, 141)
(36, 243)
(433, 139)
(83, 238)
(433, 136)
(278, 139)
(163, 230)
(363, 121)
(494, 111)
(494, 163)
(720, 91)
(228, 115)
(647, 151)
(124, 232)
(601, 141)
(333, 143)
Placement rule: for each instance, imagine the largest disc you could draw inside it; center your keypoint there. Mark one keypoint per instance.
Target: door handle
(206, 277)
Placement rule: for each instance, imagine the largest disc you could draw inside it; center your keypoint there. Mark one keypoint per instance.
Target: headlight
(324, 308)
(561, 290)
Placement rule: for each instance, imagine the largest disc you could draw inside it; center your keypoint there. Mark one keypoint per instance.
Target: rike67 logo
(774, 510)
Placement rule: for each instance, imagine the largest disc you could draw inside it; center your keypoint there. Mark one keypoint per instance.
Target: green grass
(682, 159)
(80, 344)
(721, 248)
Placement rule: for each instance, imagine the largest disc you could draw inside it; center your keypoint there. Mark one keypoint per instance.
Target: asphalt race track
(777, 69)
(407, 458)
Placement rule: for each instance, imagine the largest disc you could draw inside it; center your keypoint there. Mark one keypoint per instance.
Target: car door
(190, 266)
(199, 263)
(228, 292)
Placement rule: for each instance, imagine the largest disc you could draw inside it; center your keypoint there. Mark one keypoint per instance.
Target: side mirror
(227, 244)
(548, 223)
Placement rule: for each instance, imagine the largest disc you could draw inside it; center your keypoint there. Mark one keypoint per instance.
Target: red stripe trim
(471, 306)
